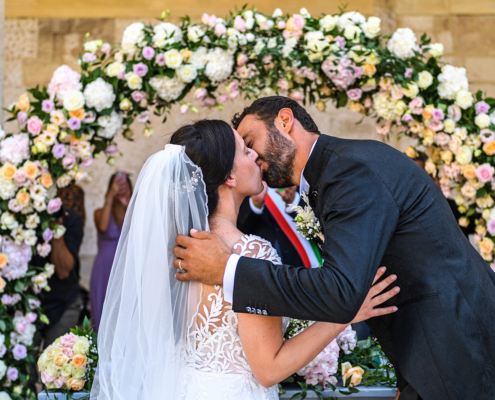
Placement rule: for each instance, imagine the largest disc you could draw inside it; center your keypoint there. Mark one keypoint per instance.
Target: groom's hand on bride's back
(201, 258)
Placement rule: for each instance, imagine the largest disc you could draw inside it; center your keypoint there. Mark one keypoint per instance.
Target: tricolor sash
(308, 249)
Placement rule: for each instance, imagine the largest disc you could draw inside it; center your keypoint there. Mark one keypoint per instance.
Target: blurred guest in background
(108, 221)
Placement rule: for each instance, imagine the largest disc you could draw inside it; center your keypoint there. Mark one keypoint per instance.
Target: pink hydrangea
(323, 367)
(18, 256)
(343, 73)
(347, 339)
(64, 79)
(485, 172)
(14, 149)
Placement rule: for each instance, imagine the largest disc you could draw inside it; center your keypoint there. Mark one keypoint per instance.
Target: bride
(163, 339)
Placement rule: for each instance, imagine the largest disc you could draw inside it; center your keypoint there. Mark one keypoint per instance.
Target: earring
(235, 184)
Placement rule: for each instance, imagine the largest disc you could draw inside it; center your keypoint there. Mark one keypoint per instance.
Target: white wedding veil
(148, 314)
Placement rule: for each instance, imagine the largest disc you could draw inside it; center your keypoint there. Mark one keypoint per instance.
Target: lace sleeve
(256, 247)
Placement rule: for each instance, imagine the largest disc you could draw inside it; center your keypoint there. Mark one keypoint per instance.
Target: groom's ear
(286, 119)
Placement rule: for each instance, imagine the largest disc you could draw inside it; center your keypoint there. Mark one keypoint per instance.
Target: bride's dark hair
(210, 144)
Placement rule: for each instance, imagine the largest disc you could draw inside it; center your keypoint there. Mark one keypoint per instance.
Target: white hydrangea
(110, 125)
(14, 149)
(99, 95)
(350, 18)
(402, 43)
(167, 88)
(8, 188)
(166, 34)
(199, 58)
(219, 67)
(452, 81)
(133, 36)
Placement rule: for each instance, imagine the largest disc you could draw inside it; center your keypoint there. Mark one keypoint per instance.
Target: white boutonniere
(306, 221)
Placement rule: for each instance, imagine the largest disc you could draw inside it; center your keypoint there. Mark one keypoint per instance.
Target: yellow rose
(356, 107)
(411, 152)
(469, 171)
(52, 129)
(464, 99)
(448, 125)
(67, 370)
(485, 202)
(486, 245)
(489, 148)
(134, 81)
(325, 90)
(430, 168)
(400, 107)
(355, 373)
(373, 59)
(173, 58)
(81, 345)
(369, 70)
(79, 373)
(480, 230)
(125, 104)
(425, 79)
(148, 132)
(321, 106)
(73, 100)
(61, 360)
(411, 91)
(23, 104)
(463, 222)
(79, 360)
(8, 171)
(115, 68)
(446, 156)
(465, 155)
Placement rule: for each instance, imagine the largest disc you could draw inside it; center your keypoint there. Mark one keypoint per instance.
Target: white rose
(167, 88)
(92, 46)
(350, 18)
(352, 32)
(59, 231)
(32, 221)
(425, 79)
(173, 58)
(8, 221)
(115, 68)
(411, 91)
(277, 13)
(30, 237)
(81, 345)
(371, 28)
(248, 14)
(166, 34)
(249, 23)
(109, 125)
(99, 95)
(134, 81)
(195, 33)
(133, 35)
(464, 99)
(448, 125)
(272, 43)
(464, 156)
(328, 22)
(73, 100)
(355, 56)
(436, 50)
(79, 373)
(482, 121)
(250, 37)
(402, 43)
(187, 73)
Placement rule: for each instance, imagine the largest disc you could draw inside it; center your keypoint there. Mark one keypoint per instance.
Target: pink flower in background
(18, 255)
(200, 93)
(121, 75)
(408, 73)
(343, 72)
(14, 149)
(47, 235)
(43, 249)
(19, 352)
(485, 173)
(454, 112)
(89, 118)
(234, 85)
(47, 106)
(239, 24)
(184, 108)
(12, 373)
(74, 123)
(20, 327)
(283, 84)
(106, 48)
(397, 93)
(148, 52)
(446, 190)
(34, 304)
(416, 103)
(31, 317)
(14, 205)
(220, 29)
(481, 107)
(296, 95)
(6, 299)
(354, 94)
(490, 227)
(347, 339)
(234, 93)
(66, 351)
(112, 149)
(64, 79)
(487, 135)
(383, 127)
(434, 125)
(160, 60)
(58, 150)
(242, 59)
(68, 340)
(20, 176)
(140, 69)
(368, 102)
(209, 101)
(68, 162)
(281, 24)
(438, 114)
(322, 368)
(46, 378)
(223, 98)
(298, 22)
(54, 205)
(341, 42)
(442, 139)
(34, 125)
(137, 96)
(143, 117)
(21, 117)
(87, 162)
(89, 57)
(452, 171)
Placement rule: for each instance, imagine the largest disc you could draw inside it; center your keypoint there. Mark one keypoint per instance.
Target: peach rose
(8, 171)
(428, 112)
(75, 384)
(489, 148)
(369, 70)
(486, 245)
(3, 260)
(61, 360)
(79, 114)
(356, 107)
(469, 171)
(355, 373)
(23, 197)
(185, 54)
(411, 152)
(2, 284)
(31, 170)
(79, 360)
(23, 104)
(46, 180)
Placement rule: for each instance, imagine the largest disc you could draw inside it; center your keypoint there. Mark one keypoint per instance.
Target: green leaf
(481, 192)
(2, 326)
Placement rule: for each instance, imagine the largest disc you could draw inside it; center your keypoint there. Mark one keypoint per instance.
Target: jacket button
(315, 193)
(264, 312)
(258, 311)
(248, 309)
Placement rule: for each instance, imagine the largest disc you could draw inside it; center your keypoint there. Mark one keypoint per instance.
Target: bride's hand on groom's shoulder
(375, 299)
(201, 257)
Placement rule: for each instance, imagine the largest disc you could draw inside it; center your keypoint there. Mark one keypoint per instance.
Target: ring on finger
(180, 267)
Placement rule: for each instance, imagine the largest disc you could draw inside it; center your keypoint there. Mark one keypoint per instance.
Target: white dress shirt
(231, 267)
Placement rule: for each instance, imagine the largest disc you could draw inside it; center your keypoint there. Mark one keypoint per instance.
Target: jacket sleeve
(359, 215)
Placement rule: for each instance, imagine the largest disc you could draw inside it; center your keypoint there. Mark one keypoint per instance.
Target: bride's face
(246, 172)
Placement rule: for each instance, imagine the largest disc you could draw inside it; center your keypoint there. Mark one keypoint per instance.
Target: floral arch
(399, 79)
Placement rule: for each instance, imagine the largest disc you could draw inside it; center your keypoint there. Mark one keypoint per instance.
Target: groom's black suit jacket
(378, 207)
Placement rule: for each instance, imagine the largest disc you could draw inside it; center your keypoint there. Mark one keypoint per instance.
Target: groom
(376, 207)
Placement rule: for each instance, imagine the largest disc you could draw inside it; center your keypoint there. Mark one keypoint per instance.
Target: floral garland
(342, 58)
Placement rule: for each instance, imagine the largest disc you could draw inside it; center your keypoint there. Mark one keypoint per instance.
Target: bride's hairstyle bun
(210, 144)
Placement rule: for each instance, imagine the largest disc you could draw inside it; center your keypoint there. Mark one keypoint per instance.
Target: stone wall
(41, 35)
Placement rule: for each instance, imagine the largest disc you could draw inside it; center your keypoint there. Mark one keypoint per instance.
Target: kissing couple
(195, 309)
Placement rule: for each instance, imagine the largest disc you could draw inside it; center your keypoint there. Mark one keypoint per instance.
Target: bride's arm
(272, 360)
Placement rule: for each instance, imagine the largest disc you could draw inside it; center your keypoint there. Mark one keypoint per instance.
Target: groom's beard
(279, 155)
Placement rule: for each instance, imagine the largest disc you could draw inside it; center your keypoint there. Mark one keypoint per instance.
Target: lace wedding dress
(217, 368)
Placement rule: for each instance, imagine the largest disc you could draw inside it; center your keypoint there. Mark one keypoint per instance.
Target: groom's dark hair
(266, 109)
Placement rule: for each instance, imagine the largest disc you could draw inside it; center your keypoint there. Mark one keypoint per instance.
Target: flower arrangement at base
(68, 364)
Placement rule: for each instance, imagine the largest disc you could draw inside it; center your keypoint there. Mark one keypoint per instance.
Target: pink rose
(121, 75)
(242, 59)
(485, 172)
(34, 125)
(481, 107)
(446, 190)
(435, 125)
(298, 22)
(68, 162)
(106, 48)
(438, 114)
(31, 317)
(184, 108)
(54, 205)
(239, 24)
(234, 93)
(21, 117)
(487, 135)
(283, 84)
(397, 93)
(89, 118)
(59, 382)
(137, 96)
(68, 340)
(286, 34)
(200, 93)
(442, 139)
(383, 127)
(368, 102)
(408, 73)
(89, 57)
(234, 85)
(416, 103)
(19, 352)
(296, 95)
(223, 98)
(220, 29)
(281, 24)
(205, 18)
(87, 162)
(20, 327)
(209, 101)
(354, 94)
(46, 378)
(12, 373)
(67, 351)
(490, 227)
(148, 52)
(140, 69)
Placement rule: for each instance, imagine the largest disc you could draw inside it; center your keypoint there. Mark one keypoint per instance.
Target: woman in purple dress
(108, 221)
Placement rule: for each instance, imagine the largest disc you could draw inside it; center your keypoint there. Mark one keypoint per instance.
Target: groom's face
(276, 150)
